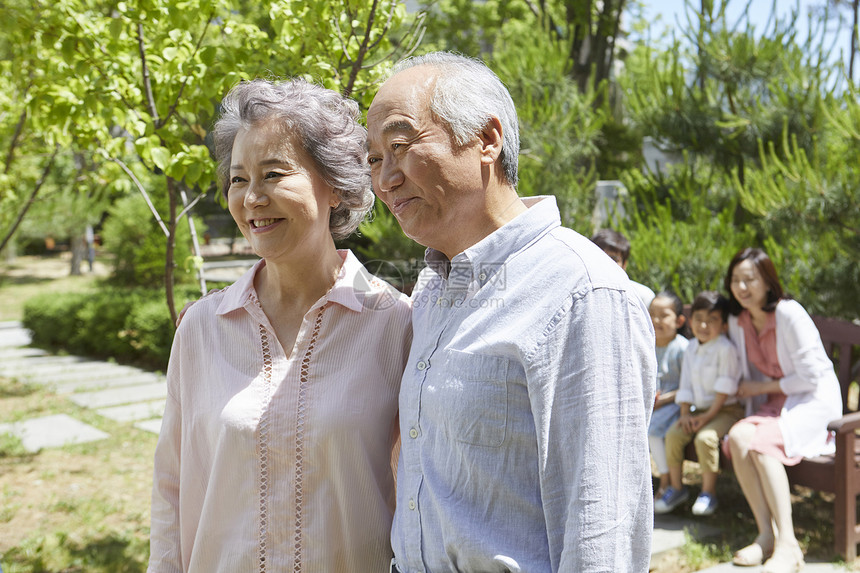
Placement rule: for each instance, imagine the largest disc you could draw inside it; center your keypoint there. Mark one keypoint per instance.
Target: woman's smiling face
(277, 198)
(748, 286)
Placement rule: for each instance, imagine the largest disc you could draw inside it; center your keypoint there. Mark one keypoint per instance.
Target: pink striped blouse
(268, 463)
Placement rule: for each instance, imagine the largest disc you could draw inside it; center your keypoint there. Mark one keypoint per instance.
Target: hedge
(129, 325)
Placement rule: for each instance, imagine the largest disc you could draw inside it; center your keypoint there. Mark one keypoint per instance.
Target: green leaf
(160, 156)
(207, 55)
(116, 27)
(192, 174)
(170, 53)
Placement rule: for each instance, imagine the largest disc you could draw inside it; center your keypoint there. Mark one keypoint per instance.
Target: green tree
(768, 146)
(136, 82)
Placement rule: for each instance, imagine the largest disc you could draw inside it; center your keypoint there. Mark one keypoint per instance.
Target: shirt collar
(352, 284)
(483, 260)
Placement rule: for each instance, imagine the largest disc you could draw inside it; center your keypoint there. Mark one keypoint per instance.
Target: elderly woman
(275, 451)
(792, 392)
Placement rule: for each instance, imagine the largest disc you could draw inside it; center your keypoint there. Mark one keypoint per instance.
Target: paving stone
(52, 432)
(13, 334)
(9, 353)
(153, 426)
(132, 412)
(79, 384)
(96, 370)
(117, 396)
(41, 365)
(809, 568)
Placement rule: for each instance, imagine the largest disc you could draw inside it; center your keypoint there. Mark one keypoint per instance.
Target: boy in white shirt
(710, 372)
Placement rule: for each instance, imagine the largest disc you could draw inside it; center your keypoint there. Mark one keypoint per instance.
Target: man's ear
(491, 141)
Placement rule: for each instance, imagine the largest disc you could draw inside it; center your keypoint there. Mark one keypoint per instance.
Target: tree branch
(19, 128)
(343, 43)
(142, 192)
(172, 109)
(94, 63)
(362, 50)
(45, 172)
(147, 82)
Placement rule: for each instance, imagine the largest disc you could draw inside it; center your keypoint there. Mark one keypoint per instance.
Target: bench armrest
(845, 424)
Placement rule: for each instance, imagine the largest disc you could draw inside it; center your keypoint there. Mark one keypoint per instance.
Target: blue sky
(667, 10)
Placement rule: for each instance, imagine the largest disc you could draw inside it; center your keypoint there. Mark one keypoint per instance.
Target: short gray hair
(466, 94)
(326, 124)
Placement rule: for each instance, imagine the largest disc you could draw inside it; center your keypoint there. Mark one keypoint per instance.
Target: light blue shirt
(524, 409)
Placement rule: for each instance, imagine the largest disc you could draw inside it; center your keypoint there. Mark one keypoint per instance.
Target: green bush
(683, 231)
(127, 325)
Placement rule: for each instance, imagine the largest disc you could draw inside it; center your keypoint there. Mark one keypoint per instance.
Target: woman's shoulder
(198, 311)
(791, 311)
(788, 307)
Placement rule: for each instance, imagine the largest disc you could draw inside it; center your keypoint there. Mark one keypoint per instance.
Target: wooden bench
(840, 473)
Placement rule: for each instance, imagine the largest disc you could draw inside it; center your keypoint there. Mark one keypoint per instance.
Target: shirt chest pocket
(475, 396)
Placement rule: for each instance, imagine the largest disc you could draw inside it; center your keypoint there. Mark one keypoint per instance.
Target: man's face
(430, 184)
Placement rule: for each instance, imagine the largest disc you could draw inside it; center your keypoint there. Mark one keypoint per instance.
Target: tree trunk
(79, 252)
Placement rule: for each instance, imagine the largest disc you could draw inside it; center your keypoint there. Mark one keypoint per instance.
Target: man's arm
(592, 379)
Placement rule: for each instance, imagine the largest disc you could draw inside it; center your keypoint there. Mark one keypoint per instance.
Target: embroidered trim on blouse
(264, 447)
(300, 434)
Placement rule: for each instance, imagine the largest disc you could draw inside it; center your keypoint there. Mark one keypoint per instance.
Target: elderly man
(526, 399)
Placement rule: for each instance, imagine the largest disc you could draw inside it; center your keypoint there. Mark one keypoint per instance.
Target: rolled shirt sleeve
(728, 369)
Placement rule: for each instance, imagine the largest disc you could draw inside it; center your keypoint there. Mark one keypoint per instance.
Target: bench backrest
(842, 342)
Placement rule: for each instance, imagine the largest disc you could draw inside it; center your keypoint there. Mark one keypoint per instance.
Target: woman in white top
(791, 393)
(276, 447)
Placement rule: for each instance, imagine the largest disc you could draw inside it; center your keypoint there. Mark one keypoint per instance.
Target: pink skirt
(768, 438)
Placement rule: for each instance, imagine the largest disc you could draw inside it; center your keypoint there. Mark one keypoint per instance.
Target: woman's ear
(491, 140)
(682, 319)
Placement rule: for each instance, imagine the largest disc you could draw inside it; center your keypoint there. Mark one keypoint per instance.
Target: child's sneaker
(706, 504)
(671, 499)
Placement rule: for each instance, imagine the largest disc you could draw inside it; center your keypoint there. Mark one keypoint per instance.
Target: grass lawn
(30, 276)
(81, 508)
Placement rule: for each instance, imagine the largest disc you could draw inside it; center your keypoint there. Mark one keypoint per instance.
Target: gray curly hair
(328, 129)
(466, 94)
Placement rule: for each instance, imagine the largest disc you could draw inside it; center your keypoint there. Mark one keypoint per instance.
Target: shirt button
(421, 365)
(413, 433)
(412, 504)
(482, 276)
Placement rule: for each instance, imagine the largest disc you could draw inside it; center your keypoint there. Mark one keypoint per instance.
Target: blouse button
(412, 504)
(421, 365)
(413, 433)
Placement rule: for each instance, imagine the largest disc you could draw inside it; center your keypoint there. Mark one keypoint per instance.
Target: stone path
(120, 393)
(130, 395)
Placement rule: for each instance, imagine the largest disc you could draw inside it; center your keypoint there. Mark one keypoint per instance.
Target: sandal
(751, 555)
(785, 559)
